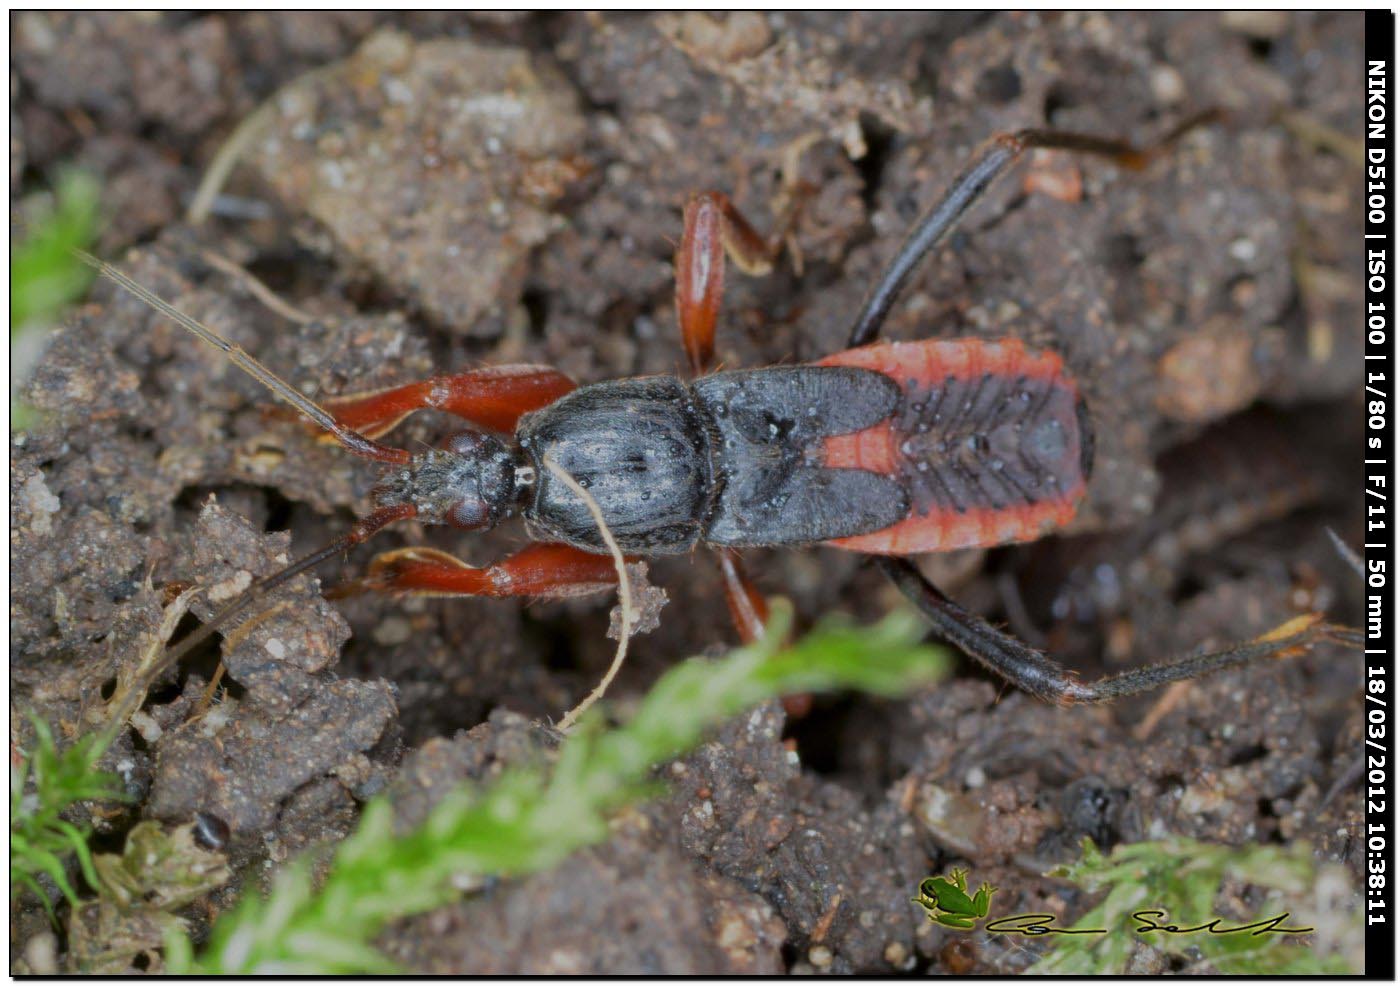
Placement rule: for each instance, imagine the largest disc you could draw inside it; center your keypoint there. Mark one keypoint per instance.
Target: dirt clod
(242, 763)
(435, 164)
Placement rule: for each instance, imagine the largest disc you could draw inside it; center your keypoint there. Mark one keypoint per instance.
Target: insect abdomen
(990, 441)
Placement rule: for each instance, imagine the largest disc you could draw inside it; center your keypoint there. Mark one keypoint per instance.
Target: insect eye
(471, 515)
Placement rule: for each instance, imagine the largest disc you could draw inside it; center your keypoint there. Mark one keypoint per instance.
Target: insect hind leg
(993, 160)
(1033, 671)
(1008, 657)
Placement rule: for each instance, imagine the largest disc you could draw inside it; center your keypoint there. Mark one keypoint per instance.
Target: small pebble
(1167, 86)
(392, 631)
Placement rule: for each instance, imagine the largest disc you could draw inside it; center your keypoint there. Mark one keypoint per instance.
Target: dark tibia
(1030, 670)
(990, 163)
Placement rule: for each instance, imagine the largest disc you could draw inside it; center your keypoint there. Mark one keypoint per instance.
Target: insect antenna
(349, 438)
(363, 530)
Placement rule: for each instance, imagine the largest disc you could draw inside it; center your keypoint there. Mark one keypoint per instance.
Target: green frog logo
(947, 903)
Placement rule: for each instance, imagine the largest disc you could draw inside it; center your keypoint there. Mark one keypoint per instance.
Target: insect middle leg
(713, 229)
(1022, 665)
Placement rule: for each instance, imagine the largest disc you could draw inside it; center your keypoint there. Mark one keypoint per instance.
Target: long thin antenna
(363, 530)
(351, 439)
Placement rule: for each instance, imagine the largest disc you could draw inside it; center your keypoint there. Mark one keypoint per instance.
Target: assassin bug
(892, 449)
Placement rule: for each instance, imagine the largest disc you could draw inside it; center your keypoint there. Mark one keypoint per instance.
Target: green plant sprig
(40, 838)
(45, 277)
(530, 819)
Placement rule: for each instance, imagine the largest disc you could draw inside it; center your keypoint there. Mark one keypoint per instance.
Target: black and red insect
(892, 449)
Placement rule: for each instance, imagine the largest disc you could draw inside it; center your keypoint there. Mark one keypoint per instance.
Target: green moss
(1186, 879)
(46, 277)
(44, 786)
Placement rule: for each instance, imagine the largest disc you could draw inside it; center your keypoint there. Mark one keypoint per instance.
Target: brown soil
(435, 191)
